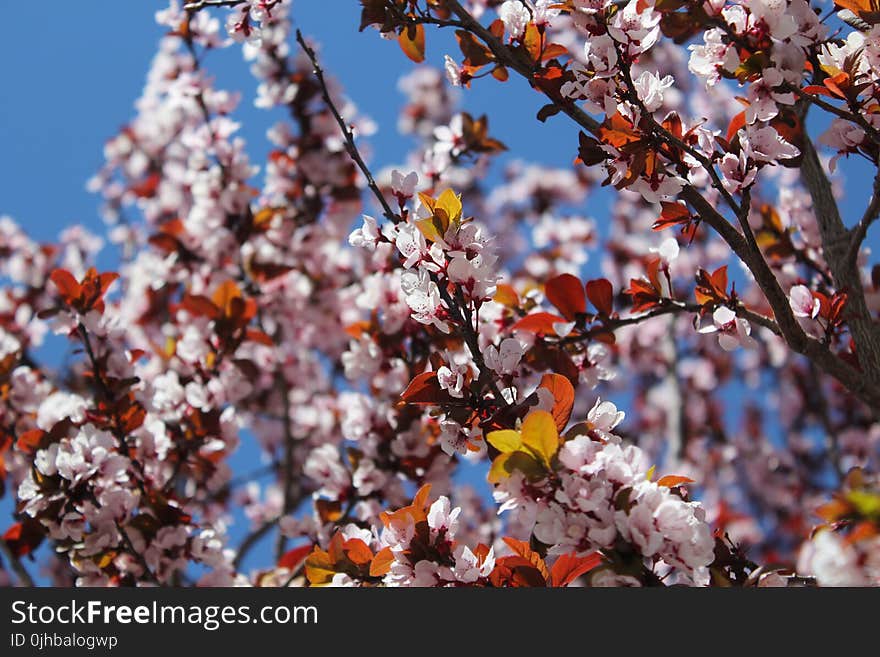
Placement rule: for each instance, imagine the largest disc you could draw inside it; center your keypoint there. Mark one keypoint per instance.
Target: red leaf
(24, 537)
(567, 294)
(200, 305)
(425, 389)
(672, 214)
(67, 285)
(569, 567)
(293, 558)
(601, 295)
(538, 323)
(260, 337)
(563, 394)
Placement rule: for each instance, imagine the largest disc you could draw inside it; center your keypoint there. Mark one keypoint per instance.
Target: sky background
(72, 71)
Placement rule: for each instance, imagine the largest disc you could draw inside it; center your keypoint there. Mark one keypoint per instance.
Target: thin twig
(346, 131)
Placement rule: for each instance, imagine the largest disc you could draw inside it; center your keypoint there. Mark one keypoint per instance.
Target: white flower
(650, 87)
(765, 144)
(404, 185)
(505, 358)
(367, 236)
(604, 416)
(441, 515)
(453, 72)
(515, 17)
(802, 302)
(732, 331)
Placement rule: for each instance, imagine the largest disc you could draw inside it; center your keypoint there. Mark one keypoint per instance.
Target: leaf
(412, 42)
(505, 441)
(539, 323)
(671, 481)
(24, 537)
(357, 551)
(506, 295)
(601, 295)
(381, 563)
(672, 214)
(475, 53)
(425, 389)
(524, 550)
(569, 567)
(292, 558)
(540, 435)
(67, 285)
(551, 109)
(319, 567)
(505, 465)
(567, 294)
(738, 121)
(563, 395)
(867, 10)
(224, 296)
(711, 288)
(200, 306)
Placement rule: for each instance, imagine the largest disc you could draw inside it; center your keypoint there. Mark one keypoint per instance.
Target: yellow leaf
(448, 209)
(540, 435)
(427, 201)
(505, 464)
(319, 568)
(505, 441)
(428, 227)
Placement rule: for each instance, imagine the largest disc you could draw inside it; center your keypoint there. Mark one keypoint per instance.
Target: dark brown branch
(346, 131)
(16, 565)
(836, 245)
(872, 212)
(851, 378)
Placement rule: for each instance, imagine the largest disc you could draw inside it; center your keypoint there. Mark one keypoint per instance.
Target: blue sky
(72, 71)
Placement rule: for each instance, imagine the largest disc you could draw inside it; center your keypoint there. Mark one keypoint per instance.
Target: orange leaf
(357, 551)
(567, 294)
(538, 323)
(563, 394)
(29, 441)
(867, 10)
(381, 563)
(671, 481)
(738, 121)
(524, 550)
(412, 42)
(569, 567)
(506, 295)
(224, 296)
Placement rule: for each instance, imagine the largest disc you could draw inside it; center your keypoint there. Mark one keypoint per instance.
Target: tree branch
(346, 131)
(17, 566)
(872, 212)
(836, 245)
